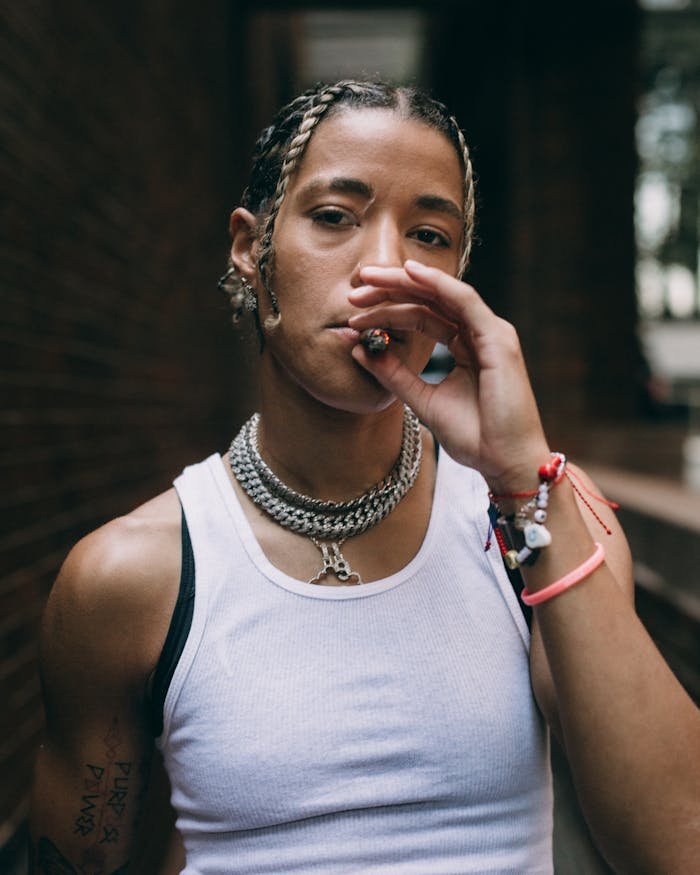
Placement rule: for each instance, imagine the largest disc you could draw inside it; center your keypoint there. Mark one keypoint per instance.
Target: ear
(244, 243)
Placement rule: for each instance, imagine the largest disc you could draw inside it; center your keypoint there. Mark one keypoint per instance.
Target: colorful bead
(511, 559)
(523, 555)
(548, 471)
(537, 536)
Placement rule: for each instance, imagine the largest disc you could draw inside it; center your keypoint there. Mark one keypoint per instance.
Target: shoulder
(109, 609)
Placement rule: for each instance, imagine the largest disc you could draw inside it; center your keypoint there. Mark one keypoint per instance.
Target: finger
(406, 317)
(368, 295)
(372, 296)
(392, 277)
(459, 299)
(456, 300)
(399, 379)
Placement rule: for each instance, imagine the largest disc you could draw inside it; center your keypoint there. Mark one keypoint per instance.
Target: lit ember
(375, 340)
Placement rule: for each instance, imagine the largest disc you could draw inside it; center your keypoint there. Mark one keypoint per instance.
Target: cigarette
(375, 340)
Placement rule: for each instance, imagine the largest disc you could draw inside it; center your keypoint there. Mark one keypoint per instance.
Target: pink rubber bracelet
(564, 583)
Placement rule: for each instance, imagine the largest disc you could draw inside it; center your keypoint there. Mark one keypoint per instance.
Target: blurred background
(126, 130)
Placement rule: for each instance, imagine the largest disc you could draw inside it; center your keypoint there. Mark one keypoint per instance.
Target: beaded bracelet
(536, 535)
(573, 577)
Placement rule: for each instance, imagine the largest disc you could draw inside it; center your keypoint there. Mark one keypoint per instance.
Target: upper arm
(102, 632)
(618, 559)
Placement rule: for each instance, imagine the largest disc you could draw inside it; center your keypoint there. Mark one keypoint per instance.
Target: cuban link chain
(327, 523)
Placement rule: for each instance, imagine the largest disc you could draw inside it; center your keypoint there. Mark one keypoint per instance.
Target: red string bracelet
(579, 488)
(551, 472)
(573, 577)
(530, 494)
(578, 485)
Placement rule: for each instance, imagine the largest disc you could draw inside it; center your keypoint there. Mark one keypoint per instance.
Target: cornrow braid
(469, 199)
(281, 147)
(312, 116)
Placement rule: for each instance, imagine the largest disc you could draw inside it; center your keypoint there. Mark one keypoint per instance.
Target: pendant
(335, 563)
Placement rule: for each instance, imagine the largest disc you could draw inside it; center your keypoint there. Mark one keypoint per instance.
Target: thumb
(399, 379)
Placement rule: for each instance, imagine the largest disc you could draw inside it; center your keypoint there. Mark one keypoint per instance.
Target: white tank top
(382, 728)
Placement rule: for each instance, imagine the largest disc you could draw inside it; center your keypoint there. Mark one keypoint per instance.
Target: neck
(327, 453)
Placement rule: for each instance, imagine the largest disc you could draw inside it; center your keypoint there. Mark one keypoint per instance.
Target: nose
(381, 246)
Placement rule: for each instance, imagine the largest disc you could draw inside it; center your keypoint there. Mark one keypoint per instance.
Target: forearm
(631, 733)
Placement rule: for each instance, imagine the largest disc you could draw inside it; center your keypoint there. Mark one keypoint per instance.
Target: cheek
(293, 278)
(301, 252)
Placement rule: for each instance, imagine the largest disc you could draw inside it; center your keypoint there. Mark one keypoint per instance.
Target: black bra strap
(177, 633)
(514, 575)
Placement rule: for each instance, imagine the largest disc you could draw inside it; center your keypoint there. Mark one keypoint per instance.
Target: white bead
(536, 536)
(523, 555)
(542, 503)
(540, 516)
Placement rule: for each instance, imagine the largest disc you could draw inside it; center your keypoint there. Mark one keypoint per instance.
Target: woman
(351, 687)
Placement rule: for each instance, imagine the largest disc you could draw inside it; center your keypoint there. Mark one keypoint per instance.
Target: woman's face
(371, 189)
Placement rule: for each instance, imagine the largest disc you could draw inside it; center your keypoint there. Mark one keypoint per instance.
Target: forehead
(381, 146)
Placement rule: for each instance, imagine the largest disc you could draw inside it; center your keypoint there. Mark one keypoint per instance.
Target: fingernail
(414, 265)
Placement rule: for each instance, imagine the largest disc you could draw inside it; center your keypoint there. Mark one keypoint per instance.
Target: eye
(431, 237)
(333, 216)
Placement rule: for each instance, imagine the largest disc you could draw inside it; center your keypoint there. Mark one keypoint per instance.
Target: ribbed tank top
(382, 728)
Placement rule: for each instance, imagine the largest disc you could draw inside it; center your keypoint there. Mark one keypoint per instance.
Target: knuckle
(509, 335)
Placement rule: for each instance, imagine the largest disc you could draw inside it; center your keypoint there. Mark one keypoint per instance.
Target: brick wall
(118, 165)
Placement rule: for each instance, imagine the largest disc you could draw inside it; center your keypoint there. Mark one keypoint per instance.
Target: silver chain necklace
(327, 523)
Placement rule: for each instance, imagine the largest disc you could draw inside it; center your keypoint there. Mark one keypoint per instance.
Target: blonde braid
(469, 199)
(296, 148)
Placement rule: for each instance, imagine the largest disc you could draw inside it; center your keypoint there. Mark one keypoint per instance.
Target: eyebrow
(440, 204)
(341, 184)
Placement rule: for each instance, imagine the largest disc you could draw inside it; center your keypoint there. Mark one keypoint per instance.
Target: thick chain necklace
(327, 523)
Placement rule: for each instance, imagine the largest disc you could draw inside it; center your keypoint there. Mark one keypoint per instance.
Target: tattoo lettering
(96, 772)
(119, 789)
(85, 822)
(106, 795)
(110, 835)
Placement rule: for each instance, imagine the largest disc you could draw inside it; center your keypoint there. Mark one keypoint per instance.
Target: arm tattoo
(106, 795)
(106, 792)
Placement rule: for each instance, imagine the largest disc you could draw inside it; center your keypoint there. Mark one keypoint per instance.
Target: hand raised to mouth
(484, 413)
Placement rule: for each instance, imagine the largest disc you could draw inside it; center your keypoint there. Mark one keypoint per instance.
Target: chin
(340, 384)
(363, 394)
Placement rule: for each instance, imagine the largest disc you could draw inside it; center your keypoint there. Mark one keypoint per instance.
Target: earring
(239, 291)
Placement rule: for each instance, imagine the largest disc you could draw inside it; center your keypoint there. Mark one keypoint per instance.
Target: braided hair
(281, 146)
